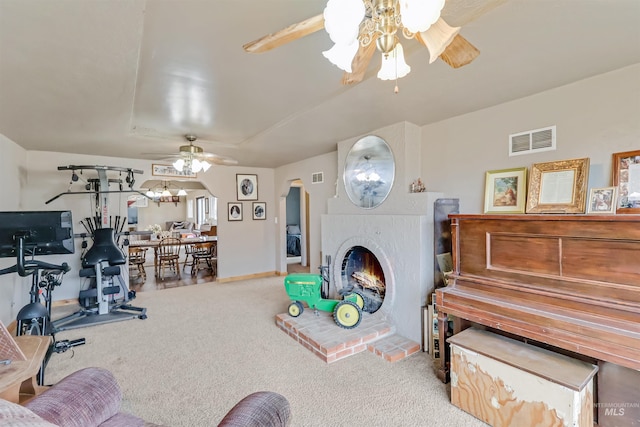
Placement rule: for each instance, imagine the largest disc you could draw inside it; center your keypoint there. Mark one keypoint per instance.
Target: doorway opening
(296, 228)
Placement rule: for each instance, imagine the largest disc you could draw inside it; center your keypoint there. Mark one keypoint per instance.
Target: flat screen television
(45, 232)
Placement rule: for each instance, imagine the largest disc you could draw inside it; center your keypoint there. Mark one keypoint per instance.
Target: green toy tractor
(306, 287)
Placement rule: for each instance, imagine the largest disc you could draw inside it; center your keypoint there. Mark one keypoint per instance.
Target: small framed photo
(558, 187)
(626, 178)
(602, 200)
(259, 210)
(234, 211)
(505, 191)
(247, 186)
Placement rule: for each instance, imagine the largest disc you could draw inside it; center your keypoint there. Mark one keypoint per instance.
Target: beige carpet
(204, 347)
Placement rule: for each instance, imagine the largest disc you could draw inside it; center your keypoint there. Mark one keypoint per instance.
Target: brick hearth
(331, 343)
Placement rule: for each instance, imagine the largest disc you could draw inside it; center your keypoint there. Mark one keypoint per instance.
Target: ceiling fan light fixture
(393, 65)
(419, 15)
(342, 55)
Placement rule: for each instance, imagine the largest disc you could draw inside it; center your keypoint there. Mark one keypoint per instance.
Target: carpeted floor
(205, 346)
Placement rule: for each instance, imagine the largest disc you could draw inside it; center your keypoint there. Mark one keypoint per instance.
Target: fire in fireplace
(362, 273)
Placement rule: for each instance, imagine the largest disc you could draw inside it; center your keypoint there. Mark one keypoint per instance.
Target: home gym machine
(24, 235)
(107, 297)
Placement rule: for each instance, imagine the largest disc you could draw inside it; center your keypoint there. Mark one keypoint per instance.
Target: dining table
(199, 241)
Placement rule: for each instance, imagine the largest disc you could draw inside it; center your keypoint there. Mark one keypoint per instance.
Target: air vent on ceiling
(317, 178)
(532, 141)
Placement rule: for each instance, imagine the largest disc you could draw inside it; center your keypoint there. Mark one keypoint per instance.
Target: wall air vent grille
(317, 178)
(532, 141)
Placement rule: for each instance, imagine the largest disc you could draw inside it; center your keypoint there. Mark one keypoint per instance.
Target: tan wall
(595, 117)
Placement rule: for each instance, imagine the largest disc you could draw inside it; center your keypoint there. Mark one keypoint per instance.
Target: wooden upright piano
(568, 281)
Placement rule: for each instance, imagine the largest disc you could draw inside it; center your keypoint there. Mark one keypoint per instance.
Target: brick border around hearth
(324, 338)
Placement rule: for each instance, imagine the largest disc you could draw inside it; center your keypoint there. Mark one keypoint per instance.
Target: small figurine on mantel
(417, 186)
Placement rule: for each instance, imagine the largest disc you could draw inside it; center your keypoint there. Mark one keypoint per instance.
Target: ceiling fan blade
(286, 35)
(462, 12)
(162, 156)
(459, 52)
(218, 160)
(360, 63)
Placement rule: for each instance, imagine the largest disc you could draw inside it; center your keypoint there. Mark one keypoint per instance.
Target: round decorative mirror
(369, 170)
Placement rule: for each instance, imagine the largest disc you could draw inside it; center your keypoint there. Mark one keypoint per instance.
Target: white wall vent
(532, 141)
(317, 178)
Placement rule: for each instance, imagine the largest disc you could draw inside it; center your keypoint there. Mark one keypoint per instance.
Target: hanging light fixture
(182, 192)
(363, 21)
(189, 161)
(165, 191)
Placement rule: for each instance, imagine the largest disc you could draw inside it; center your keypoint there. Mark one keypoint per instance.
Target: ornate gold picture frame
(558, 187)
(626, 177)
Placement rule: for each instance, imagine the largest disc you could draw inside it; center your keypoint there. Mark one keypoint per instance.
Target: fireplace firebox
(363, 274)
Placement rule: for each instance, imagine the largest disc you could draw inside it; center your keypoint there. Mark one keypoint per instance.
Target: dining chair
(190, 250)
(137, 258)
(169, 256)
(208, 258)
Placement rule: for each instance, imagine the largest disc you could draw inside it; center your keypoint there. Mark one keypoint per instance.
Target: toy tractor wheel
(347, 314)
(295, 309)
(359, 299)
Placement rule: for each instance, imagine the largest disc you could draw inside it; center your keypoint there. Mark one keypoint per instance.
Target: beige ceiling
(130, 77)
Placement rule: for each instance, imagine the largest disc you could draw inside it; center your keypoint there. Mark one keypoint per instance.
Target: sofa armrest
(260, 409)
(85, 398)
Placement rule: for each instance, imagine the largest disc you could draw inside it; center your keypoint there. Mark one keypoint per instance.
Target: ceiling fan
(193, 158)
(381, 21)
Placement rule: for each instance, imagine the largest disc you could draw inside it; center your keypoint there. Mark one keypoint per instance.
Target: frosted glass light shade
(438, 37)
(150, 193)
(181, 192)
(205, 165)
(418, 15)
(196, 166)
(342, 20)
(165, 193)
(393, 65)
(342, 55)
(178, 165)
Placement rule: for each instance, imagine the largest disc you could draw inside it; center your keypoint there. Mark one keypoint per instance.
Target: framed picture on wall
(505, 191)
(602, 200)
(558, 187)
(234, 212)
(259, 210)
(169, 170)
(247, 186)
(626, 178)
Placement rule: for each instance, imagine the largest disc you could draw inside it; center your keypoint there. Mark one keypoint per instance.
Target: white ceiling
(129, 77)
